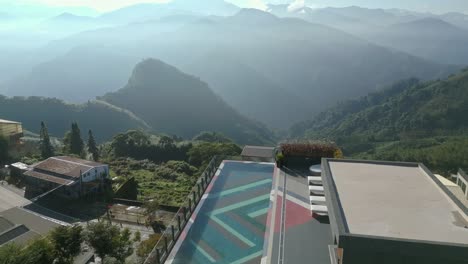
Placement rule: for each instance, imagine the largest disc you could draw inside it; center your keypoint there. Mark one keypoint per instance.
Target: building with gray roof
(392, 212)
(19, 225)
(74, 177)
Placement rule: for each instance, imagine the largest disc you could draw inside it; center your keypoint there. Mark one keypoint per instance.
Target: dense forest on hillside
(107, 120)
(411, 121)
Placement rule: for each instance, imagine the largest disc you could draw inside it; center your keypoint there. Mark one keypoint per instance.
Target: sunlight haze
(435, 6)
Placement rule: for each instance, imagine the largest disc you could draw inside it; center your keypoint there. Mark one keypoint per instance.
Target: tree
(38, 252)
(213, 137)
(47, 150)
(165, 140)
(200, 154)
(10, 254)
(108, 240)
(130, 143)
(92, 148)
(137, 236)
(123, 246)
(3, 149)
(146, 246)
(73, 142)
(150, 208)
(67, 243)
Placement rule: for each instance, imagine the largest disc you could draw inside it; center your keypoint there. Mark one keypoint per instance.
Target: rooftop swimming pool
(229, 223)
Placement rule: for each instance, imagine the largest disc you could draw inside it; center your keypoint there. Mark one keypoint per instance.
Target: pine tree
(73, 142)
(92, 148)
(47, 150)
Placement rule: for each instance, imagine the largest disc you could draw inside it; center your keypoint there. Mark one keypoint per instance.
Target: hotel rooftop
(337, 212)
(399, 211)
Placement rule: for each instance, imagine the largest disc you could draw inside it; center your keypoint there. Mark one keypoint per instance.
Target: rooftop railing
(169, 237)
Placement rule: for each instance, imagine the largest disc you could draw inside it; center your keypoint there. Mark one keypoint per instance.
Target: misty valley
(140, 116)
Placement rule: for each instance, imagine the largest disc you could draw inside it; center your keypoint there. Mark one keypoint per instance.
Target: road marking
(233, 232)
(282, 224)
(239, 205)
(213, 216)
(258, 213)
(247, 258)
(204, 253)
(239, 189)
(295, 200)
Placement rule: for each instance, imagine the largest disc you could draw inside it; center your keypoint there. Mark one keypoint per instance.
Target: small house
(71, 177)
(11, 130)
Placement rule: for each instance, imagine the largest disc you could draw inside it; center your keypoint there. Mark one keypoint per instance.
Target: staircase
(317, 193)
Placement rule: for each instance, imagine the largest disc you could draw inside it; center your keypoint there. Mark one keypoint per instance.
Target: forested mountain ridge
(407, 109)
(173, 102)
(103, 118)
(411, 121)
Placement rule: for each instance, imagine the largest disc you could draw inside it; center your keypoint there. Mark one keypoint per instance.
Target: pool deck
(257, 220)
(228, 225)
(295, 235)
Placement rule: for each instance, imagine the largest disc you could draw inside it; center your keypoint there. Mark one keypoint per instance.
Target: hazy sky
(436, 6)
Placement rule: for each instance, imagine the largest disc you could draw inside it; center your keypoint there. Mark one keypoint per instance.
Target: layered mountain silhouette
(173, 102)
(149, 11)
(429, 38)
(78, 76)
(439, 38)
(291, 67)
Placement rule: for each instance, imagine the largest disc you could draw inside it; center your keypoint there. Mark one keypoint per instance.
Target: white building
(78, 177)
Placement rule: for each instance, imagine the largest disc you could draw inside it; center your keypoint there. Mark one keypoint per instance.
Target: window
(462, 185)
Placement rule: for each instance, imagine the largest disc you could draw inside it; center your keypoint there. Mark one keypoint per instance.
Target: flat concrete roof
(33, 221)
(258, 151)
(3, 121)
(395, 201)
(9, 199)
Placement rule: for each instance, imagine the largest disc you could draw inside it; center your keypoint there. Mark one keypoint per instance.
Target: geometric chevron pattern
(229, 224)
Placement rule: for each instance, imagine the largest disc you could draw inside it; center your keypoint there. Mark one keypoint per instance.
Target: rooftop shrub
(314, 149)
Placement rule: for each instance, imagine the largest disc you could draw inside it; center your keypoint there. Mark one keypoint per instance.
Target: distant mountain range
(151, 11)
(176, 103)
(279, 67)
(429, 38)
(78, 76)
(69, 18)
(158, 98)
(440, 38)
(278, 71)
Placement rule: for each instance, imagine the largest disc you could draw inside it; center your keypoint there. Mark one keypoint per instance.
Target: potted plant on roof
(279, 158)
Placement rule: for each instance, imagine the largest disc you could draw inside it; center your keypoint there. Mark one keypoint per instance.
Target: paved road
(10, 199)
